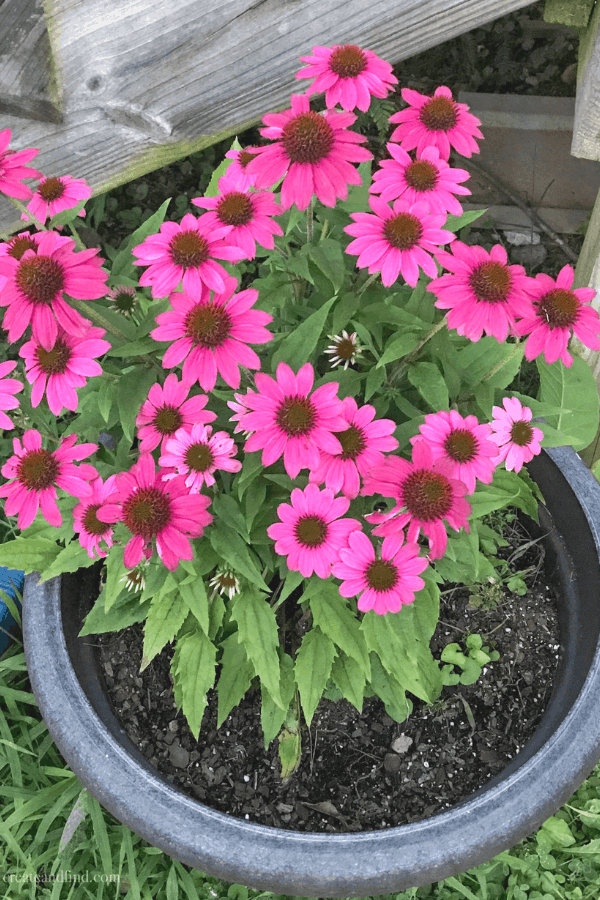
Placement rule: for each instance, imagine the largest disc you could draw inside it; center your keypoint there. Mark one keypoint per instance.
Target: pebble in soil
(359, 770)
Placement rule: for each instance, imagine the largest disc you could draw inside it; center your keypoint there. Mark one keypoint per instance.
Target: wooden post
(586, 144)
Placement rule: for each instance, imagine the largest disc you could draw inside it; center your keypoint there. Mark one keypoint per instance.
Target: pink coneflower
(483, 293)
(286, 421)
(18, 244)
(397, 240)
(427, 178)
(36, 474)
(311, 532)
(438, 121)
(363, 442)
(167, 409)
(187, 251)
(36, 282)
(248, 212)
(154, 509)
(13, 168)
(85, 521)
(196, 454)
(384, 584)
(53, 195)
(463, 442)
(124, 299)
(237, 168)
(213, 335)
(240, 408)
(66, 366)
(312, 152)
(556, 311)
(348, 75)
(8, 388)
(518, 440)
(426, 491)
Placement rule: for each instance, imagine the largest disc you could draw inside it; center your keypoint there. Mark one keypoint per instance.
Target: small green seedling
(471, 664)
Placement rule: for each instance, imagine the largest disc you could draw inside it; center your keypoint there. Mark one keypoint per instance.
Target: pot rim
(354, 864)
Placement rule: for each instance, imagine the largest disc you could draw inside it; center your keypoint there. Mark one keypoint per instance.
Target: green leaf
(236, 677)
(132, 390)
(193, 669)
(251, 465)
(124, 259)
(227, 510)
(290, 751)
(257, 631)
(344, 309)
(312, 669)
(300, 343)
(166, 615)
(430, 383)
(72, 558)
(193, 594)
(455, 223)
(213, 185)
(125, 612)
(273, 716)
(339, 623)
(105, 397)
(230, 547)
(329, 258)
(574, 390)
(349, 677)
(134, 348)
(397, 347)
(67, 215)
(387, 688)
(375, 380)
(28, 554)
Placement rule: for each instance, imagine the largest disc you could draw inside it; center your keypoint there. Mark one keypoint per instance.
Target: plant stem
(502, 363)
(309, 223)
(400, 368)
(369, 281)
(21, 206)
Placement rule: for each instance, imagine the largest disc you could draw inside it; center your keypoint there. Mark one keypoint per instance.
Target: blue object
(10, 579)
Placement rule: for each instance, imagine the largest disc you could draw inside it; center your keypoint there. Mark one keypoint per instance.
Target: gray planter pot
(560, 755)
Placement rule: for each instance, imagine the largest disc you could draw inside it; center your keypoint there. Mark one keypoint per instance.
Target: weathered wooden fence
(109, 90)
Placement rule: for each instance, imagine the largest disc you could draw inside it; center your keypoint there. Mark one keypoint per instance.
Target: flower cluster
(355, 462)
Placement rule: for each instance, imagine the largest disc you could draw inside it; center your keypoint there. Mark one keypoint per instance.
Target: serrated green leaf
(339, 623)
(67, 215)
(227, 510)
(455, 223)
(28, 554)
(236, 677)
(166, 615)
(213, 185)
(430, 383)
(273, 716)
(72, 558)
(257, 631)
(349, 677)
(312, 669)
(230, 547)
(193, 669)
(134, 348)
(300, 343)
(127, 610)
(195, 598)
(397, 705)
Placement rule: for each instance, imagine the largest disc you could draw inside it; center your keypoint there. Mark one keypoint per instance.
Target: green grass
(53, 830)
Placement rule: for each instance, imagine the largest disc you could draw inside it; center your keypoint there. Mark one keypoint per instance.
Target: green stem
(369, 281)
(309, 223)
(21, 206)
(400, 368)
(502, 363)
(78, 242)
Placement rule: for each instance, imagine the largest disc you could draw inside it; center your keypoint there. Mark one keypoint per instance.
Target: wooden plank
(25, 62)
(586, 127)
(144, 83)
(569, 12)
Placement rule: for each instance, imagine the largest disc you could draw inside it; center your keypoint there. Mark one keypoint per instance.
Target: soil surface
(360, 770)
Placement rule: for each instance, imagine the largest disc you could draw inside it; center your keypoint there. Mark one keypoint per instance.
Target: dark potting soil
(359, 770)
